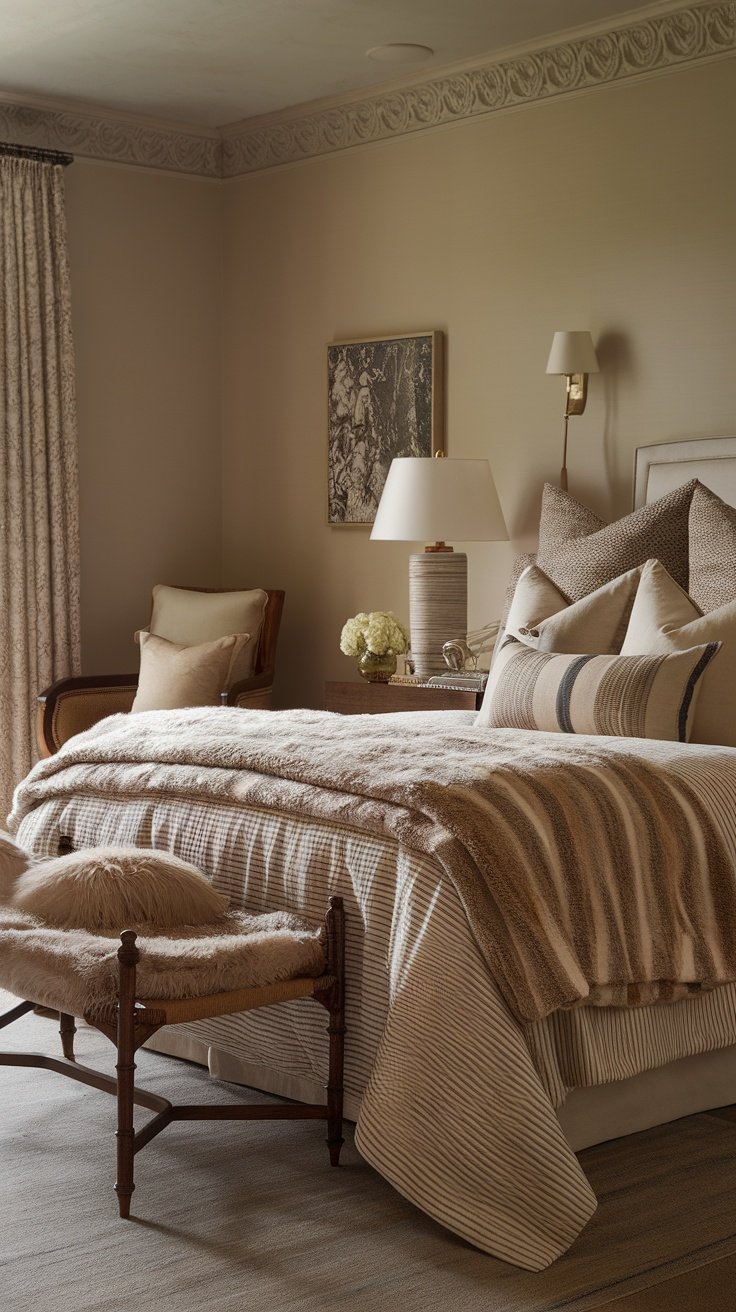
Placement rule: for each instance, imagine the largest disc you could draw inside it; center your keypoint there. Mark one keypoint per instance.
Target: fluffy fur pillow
(13, 861)
(108, 889)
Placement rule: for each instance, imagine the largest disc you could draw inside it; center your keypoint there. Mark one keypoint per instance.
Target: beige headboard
(660, 469)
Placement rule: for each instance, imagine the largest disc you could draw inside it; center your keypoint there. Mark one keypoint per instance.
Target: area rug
(250, 1216)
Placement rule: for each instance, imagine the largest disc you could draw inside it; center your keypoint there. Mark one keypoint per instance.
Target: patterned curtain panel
(39, 503)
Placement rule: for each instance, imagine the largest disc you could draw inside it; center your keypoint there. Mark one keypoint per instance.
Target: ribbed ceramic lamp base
(438, 606)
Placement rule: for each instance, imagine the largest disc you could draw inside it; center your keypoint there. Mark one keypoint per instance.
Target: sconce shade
(572, 353)
(430, 499)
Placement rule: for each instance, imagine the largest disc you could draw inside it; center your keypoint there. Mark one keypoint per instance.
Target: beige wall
(614, 211)
(145, 255)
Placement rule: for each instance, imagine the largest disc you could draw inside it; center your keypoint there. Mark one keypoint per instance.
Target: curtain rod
(35, 152)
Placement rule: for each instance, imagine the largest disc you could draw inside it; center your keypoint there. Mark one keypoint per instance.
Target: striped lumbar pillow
(625, 696)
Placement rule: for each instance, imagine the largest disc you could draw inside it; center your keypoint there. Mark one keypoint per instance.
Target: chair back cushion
(189, 617)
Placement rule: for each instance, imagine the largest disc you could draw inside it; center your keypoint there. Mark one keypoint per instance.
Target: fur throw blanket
(590, 869)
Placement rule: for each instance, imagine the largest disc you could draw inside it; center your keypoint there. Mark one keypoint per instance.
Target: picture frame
(385, 398)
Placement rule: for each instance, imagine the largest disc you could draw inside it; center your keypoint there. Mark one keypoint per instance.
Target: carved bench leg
(125, 1067)
(67, 1030)
(336, 1027)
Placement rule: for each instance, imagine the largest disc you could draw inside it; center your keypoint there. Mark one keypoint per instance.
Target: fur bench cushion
(108, 889)
(13, 861)
(77, 972)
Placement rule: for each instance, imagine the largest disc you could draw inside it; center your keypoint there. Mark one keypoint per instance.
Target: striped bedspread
(453, 1096)
(590, 868)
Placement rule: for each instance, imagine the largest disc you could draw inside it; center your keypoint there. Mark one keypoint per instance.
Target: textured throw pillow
(172, 676)
(712, 550)
(665, 619)
(580, 553)
(13, 861)
(596, 624)
(188, 618)
(624, 696)
(109, 889)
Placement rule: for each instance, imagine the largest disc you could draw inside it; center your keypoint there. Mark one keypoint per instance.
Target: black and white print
(383, 400)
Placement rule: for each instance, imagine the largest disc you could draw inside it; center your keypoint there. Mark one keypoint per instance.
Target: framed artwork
(384, 399)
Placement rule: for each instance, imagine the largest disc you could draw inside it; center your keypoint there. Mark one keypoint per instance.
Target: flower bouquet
(376, 637)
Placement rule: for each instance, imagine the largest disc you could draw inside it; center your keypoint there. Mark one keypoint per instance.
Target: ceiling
(213, 62)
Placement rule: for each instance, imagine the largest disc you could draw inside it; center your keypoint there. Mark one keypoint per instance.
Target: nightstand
(379, 698)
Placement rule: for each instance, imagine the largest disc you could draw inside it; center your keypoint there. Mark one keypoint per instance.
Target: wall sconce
(573, 355)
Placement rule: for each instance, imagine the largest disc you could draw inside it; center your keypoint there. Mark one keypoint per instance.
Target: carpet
(251, 1216)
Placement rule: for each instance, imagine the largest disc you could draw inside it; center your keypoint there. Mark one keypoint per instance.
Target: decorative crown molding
(596, 58)
(118, 138)
(639, 49)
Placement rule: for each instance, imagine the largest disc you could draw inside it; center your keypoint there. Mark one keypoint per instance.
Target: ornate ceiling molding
(650, 45)
(699, 32)
(117, 138)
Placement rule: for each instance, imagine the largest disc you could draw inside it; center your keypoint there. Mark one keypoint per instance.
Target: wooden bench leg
(336, 1027)
(124, 1185)
(67, 1030)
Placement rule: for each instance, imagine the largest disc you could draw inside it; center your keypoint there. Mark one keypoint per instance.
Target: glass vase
(375, 668)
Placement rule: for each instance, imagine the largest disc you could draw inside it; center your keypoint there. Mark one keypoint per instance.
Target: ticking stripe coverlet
(454, 1097)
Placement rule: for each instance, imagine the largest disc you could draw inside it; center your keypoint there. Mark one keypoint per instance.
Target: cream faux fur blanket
(591, 869)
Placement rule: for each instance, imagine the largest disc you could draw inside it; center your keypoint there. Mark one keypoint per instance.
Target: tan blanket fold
(591, 869)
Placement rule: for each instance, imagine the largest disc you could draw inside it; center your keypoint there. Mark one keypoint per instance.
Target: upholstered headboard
(660, 469)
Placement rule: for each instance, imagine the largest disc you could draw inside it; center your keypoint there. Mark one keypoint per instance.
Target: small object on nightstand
(467, 680)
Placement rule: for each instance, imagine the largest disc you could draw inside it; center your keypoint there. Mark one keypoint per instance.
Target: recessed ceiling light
(400, 52)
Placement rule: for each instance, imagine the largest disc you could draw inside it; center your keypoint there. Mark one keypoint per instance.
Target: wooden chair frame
(129, 1023)
(107, 694)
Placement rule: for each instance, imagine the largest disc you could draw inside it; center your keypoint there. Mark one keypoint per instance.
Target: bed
(470, 1107)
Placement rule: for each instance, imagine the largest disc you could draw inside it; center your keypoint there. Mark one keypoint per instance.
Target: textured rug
(251, 1216)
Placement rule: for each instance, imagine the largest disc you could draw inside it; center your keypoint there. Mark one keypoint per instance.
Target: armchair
(74, 704)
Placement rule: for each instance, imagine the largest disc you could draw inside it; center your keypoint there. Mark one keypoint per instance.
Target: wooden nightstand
(378, 698)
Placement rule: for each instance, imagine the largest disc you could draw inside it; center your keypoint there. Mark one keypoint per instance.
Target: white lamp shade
(572, 353)
(431, 499)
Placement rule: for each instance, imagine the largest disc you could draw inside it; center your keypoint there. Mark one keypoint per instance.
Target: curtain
(39, 499)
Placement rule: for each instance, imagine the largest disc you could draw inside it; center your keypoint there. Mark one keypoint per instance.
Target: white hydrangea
(377, 631)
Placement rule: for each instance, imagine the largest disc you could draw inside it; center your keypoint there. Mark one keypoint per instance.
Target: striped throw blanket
(591, 869)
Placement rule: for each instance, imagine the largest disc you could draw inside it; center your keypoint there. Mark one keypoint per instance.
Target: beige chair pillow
(172, 676)
(189, 618)
(109, 889)
(596, 624)
(665, 619)
(624, 696)
(580, 553)
(712, 550)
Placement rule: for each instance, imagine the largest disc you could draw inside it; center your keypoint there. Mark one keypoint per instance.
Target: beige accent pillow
(622, 696)
(172, 676)
(596, 624)
(189, 618)
(13, 861)
(580, 553)
(666, 619)
(712, 550)
(109, 889)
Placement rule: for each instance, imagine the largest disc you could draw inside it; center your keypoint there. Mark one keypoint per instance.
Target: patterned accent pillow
(665, 619)
(622, 696)
(580, 553)
(712, 550)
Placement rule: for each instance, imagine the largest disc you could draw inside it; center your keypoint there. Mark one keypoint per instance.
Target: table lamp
(433, 498)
